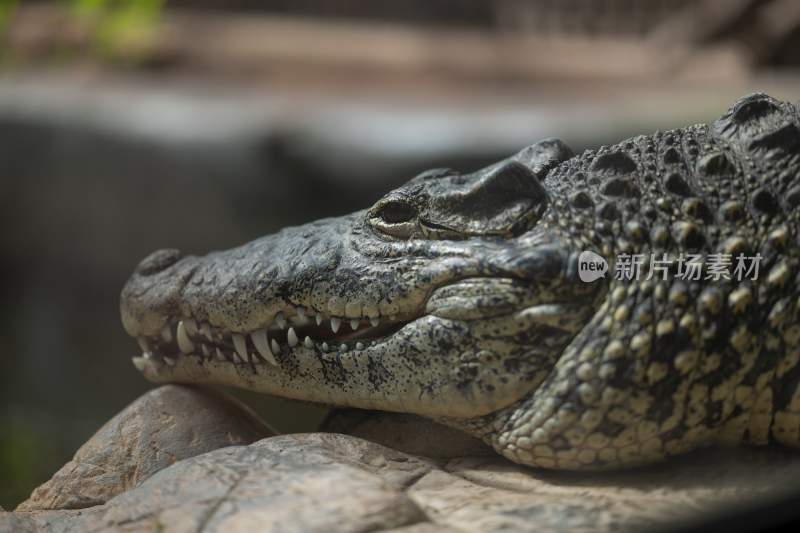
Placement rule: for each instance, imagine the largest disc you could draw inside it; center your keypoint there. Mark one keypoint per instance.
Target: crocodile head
(452, 296)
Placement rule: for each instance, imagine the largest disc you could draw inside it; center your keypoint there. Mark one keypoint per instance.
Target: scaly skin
(484, 322)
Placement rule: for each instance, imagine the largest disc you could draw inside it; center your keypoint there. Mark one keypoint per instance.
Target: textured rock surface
(311, 482)
(492, 495)
(162, 427)
(406, 433)
(333, 482)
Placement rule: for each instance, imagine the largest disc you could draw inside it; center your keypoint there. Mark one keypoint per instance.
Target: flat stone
(492, 494)
(329, 481)
(162, 427)
(308, 482)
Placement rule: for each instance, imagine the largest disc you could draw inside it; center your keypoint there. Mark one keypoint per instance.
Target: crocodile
(460, 297)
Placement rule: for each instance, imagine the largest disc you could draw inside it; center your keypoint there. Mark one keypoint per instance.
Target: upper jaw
(247, 319)
(190, 331)
(290, 328)
(416, 347)
(318, 287)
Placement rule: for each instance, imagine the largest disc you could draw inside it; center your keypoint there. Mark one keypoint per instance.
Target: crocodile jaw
(455, 292)
(418, 342)
(407, 371)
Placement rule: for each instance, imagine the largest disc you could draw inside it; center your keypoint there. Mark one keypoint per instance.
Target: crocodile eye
(397, 212)
(396, 217)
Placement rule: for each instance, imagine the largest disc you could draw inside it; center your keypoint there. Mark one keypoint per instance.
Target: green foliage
(7, 8)
(26, 459)
(122, 28)
(118, 29)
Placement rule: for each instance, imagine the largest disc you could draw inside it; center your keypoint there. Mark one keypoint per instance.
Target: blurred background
(132, 125)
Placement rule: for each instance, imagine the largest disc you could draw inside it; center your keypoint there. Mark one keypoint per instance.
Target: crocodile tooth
(301, 313)
(275, 347)
(343, 348)
(204, 348)
(143, 344)
(261, 343)
(297, 320)
(220, 355)
(271, 359)
(335, 323)
(359, 346)
(139, 363)
(237, 358)
(205, 329)
(291, 337)
(241, 345)
(354, 324)
(169, 360)
(148, 355)
(191, 327)
(374, 321)
(308, 342)
(324, 346)
(184, 343)
(280, 320)
(166, 333)
(318, 318)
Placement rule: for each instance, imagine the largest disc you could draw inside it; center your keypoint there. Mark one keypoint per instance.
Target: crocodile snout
(158, 261)
(153, 291)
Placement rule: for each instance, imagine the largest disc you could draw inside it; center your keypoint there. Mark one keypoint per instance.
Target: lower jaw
(341, 375)
(259, 378)
(306, 378)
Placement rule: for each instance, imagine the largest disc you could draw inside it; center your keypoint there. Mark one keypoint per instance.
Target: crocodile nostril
(158, 261)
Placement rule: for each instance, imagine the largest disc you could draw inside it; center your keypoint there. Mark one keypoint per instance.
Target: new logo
(591, 266)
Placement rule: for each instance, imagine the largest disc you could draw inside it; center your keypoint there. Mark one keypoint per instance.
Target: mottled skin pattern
(484, 324)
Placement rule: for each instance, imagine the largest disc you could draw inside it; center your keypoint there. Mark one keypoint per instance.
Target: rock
(311, 482)
(162, 427)
(320, 482)
(493, 494)
(407, 433)
(327, 481)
